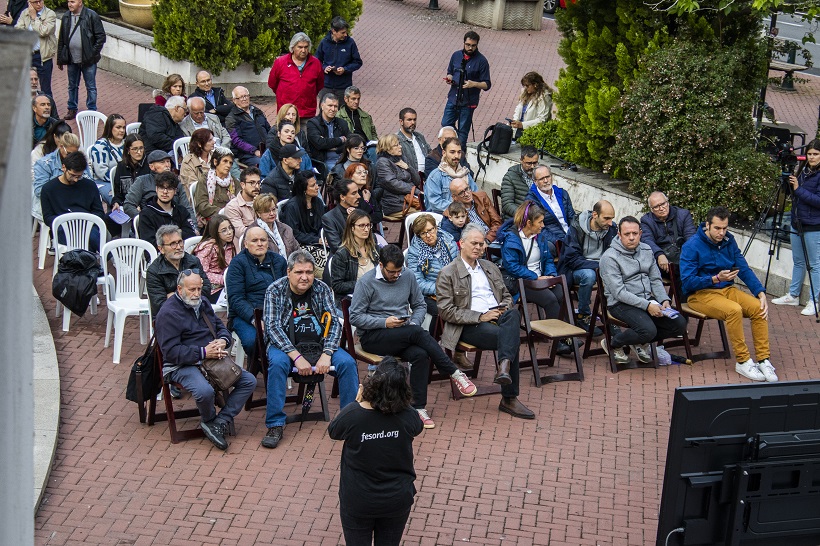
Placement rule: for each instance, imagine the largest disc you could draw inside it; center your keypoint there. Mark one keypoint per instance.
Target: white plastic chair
(125, 288)
(42, 247)
(222, 308)
(191, 242)
(135, 223)
(88, 122)
(76, 226)
(181, 149)
(408, 223)
(279, 206)
(111, 172)
(193, 188)
(132, 128)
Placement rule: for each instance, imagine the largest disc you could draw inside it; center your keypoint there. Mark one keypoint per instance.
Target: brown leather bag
(411, 201)
(223, 372)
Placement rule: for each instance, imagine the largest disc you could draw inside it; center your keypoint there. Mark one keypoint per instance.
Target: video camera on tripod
(777, 142)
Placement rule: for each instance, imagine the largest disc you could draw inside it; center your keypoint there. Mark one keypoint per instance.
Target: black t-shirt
(377, 474)
(306, 326)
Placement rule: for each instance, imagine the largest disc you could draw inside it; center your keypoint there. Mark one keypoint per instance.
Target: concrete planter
(501, 14)
(138, 13)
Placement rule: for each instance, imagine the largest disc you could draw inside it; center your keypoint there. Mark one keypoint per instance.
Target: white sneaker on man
(788, 299)
(618, 354)
(643, 352)
(749, 369)
(767, 370)
(810, 309)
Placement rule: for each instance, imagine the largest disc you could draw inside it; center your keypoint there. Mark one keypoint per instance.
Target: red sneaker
(425, 418)
(465, 386)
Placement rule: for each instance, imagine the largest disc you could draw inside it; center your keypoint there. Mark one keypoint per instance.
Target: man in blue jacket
(665, 228)
(555, 202)
(185, 340)
(469, 70)
(709, 263)
(339, 56)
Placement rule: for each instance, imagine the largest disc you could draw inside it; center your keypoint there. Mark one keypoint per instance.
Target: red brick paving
(587, 471)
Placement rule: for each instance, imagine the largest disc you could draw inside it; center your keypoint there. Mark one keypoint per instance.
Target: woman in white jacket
(534, 104)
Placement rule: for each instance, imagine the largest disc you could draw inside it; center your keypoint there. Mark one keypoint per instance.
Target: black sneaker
(215, 431)
(582, 321)
(565, 346)
(273, 437)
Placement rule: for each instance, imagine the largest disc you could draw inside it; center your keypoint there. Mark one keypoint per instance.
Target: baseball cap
(291, 151)
(156, 156)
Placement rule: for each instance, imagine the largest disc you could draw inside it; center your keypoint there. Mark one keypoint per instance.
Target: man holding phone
(709, 263)
(477, 309)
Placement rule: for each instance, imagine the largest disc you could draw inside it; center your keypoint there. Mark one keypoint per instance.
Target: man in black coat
(248, 128)
(279, 181)
(161, 210)
(327, 134)
(214, 97)
(161, 275)
(333, 222)
(160, 126)
(78, 47)
(665, 228)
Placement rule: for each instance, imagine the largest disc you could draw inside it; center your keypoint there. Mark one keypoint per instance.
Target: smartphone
(404, 317)
(734, 269)
(500, 307)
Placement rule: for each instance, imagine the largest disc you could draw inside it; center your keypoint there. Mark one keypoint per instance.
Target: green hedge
(100, 6)
(546, 135)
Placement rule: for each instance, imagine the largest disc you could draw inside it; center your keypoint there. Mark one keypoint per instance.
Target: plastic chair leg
(66, 320)
(143, 329)
(119, 327)
(42, 250)
(108, 328)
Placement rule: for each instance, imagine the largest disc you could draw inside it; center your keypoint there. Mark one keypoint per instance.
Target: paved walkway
(587, 471)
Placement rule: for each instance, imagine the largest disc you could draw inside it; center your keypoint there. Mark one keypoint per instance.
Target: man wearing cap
(279, 181)
(144, 187)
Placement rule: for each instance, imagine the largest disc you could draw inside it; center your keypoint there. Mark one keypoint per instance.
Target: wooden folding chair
(551, 329)
(496, 193)
(259, 363)
(461, 346)
(355, 349)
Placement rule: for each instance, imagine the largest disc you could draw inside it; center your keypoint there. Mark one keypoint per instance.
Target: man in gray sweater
(635, 294)
(387, 311)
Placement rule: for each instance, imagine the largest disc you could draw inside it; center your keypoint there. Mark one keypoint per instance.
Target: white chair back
(191, 242)
(132, 128)
(88, 122)
(130, 259)
(408, 223)
(279, 206)
(77, 228)
(181, 149)
(135, 221)
(193, 193)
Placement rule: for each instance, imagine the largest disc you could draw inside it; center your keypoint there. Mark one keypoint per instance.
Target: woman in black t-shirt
(376, 480)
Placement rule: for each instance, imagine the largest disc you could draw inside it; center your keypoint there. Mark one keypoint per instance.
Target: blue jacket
(701, 259)
(477, 70)
(336, 54)
(427, 273)
(247, 281)
(807, 201)
(514, 256)
(659, 234)
(267, 163)
(450, 228)
(182, 336)
(552, 227)
(437, 190)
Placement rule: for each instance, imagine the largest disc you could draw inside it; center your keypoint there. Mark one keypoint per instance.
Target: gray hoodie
(631, 276)
(594, 240)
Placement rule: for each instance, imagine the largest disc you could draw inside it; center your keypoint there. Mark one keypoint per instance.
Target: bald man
(215, 101)
(248, 128)
(665, 228)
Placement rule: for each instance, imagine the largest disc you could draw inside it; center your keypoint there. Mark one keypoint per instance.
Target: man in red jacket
(297, 77)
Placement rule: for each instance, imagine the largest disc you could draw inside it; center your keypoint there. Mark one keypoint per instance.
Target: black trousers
(432, 310)
(503, 337)
(548, 300)
(385, 531)
(643, 327)
(415, 345)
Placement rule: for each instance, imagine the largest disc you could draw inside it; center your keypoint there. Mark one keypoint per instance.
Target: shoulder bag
(223, 372)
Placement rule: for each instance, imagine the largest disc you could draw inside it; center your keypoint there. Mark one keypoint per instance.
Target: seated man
(41, 119)
(239, 210)
(589, 236)
(437, 186)
(162, 273)
(144, 187)
(665, 228)
(327, 134)
(480, 209)
(333, 221)
(248, 128)
(215, 101)
(297, 304)
(160, 126)
(477, 308)
(387, 310)
(279, 181)
(185, 340)
(198, 118)
(709, 263)
(414, 147)
(433, 159)
(249, 275)
(555, 202)
(517, 181)
(160, 210)
(635, 295)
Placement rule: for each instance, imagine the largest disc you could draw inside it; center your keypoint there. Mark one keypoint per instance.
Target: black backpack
(76, 280)
(497, 140)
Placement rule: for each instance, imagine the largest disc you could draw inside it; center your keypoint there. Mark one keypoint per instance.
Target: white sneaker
(618, 354)
(810, 309)
(788, 299)
(749, 369)
(767, 370)
(642, 352)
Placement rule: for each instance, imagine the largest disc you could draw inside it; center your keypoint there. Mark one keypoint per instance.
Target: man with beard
(414, 147)
(437, 195)
(239, 210)
(183, 329)
(517, 182)
(162, 273)
(468, 73)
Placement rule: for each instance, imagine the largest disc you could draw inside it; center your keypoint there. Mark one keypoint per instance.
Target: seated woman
(394, 177)
(106, 153)
(525, 254)
(173, 86)
(280, 235)
(50, 141)
(288, 112)
(303, 212)
(195, 165)
(534, 104)
(219, 186)
(132, 166)
(358, 173)
(356, 256)
(429, 251)
(286, 135)
(216, 251)
(353, 153)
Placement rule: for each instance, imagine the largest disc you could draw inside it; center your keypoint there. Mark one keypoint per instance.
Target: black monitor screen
(743, 466)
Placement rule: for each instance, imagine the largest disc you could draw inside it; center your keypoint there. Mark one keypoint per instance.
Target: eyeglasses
(546, 177)
(179, 242)
(242, 97)
(188, 272)
(660, 206)
(363, 226)
(430, 231)
(184, 108)
(463, 193)
(358, 148)
(360, 171)
(226, 230)
(253, 182)
(165, 188)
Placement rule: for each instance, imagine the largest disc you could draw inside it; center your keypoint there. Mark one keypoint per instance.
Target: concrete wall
(16, 389)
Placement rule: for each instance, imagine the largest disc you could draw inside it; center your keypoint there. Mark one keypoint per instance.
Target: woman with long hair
(132, 166)
(195, 165)
(303, 212)
(394, 176)
(219, 187)
(376, 478)
(286, 135)
(216, 251)
(534, 104)
(356, 256)
(280, 235)
(359, 173)
(354, 150)
(173, 86)
(106, 153)
(50, 141)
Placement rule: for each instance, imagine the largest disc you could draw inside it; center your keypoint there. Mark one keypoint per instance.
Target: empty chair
(132, 128)
(191, 242)
(88, 123)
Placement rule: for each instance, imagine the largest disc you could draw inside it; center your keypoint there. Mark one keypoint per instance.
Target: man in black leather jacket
(78, 47)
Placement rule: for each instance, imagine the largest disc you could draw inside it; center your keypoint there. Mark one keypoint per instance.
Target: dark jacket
(334, 224)
(91, 33)
(306, 227)
(247, 280)
(246, 134)
(514, 255)
(161, 279)
(344, 272)
(572, 255)
(677, 228)
(336, 54)
(152, 217)
(182, 335)
(449, 227)
(393, 183)
(477, 69)
(317, 133)
(807, 201)
(551, 224)
(125, 176)
(220, 104)
(278, 183)
(515, 187)
(159, 130)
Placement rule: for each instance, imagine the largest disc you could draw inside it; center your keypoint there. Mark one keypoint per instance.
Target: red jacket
(290, 86)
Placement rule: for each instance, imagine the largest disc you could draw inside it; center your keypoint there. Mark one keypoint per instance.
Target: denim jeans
(89, 74)
(247, 335)
(464, 115)
(799, 269)
(279, 367)
(192, 380)
(105, 191)
(44, 70)
(360, 531)
(503, 337)
(586, 280)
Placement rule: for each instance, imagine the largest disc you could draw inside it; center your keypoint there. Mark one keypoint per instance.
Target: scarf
(273, 234)
(453, 173)
(438, 252)
(213, 180)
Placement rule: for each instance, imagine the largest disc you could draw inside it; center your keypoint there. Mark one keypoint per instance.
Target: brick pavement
(587, 471)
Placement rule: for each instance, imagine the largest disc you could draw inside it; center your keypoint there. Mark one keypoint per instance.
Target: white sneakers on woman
(788, 299)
